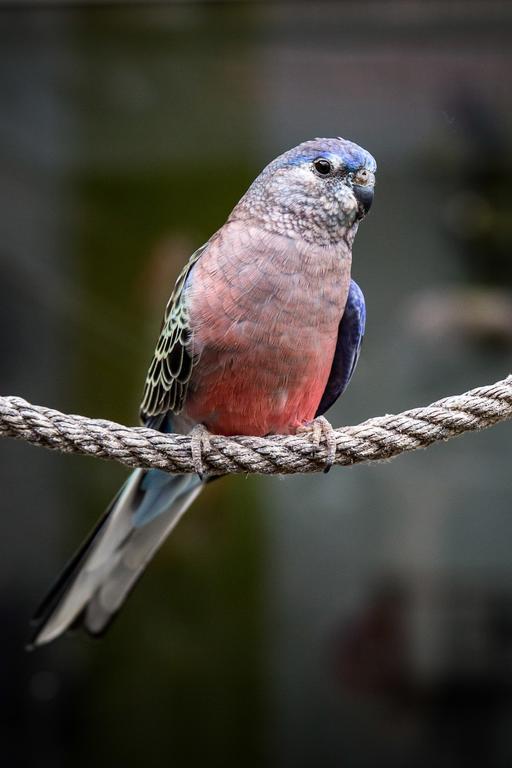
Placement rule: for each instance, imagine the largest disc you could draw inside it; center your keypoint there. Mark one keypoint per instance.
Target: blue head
(319, 191)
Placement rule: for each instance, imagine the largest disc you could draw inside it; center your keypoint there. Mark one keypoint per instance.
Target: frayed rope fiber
(382, 437)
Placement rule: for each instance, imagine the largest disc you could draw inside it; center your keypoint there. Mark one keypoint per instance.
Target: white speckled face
(320, 205)
(319, 191)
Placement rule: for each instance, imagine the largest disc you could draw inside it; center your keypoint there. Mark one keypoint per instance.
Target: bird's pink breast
(264, 311)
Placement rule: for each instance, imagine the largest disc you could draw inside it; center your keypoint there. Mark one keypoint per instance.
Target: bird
(260, 336)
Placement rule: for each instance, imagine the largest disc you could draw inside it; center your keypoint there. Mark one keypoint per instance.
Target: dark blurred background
(358, 619)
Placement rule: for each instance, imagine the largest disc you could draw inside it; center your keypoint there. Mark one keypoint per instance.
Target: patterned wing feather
(171, 367)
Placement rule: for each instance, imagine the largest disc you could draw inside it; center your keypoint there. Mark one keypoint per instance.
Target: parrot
(260, 336)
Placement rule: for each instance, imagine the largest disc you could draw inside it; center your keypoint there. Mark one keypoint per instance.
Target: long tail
(98, 579)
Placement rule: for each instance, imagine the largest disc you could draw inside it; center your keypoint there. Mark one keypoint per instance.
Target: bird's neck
(293, 217)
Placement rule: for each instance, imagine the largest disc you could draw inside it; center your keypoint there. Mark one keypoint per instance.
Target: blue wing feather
(348, 346)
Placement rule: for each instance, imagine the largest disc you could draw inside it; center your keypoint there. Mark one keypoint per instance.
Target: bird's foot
(199, 442)
(317, 429)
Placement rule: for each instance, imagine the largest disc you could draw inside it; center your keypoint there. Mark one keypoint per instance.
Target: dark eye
(322, 166)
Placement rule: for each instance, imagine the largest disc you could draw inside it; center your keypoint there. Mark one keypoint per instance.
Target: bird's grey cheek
(346, 202)
(364, 197)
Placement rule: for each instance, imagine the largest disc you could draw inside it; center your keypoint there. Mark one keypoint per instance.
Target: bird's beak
(364, 197)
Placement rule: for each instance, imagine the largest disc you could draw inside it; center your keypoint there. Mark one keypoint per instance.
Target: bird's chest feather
(264, 313)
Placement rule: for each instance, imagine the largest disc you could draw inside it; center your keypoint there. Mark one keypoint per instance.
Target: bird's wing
(171, 367)
(348, 346)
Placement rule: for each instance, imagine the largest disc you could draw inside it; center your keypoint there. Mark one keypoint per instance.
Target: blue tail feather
(96, 582)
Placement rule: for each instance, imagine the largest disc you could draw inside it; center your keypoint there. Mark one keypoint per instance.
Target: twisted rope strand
(382, 437)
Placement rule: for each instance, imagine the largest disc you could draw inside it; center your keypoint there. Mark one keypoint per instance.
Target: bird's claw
(199, 441)
(321, 428)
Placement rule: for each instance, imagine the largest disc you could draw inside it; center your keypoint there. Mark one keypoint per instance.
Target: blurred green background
(362, 618)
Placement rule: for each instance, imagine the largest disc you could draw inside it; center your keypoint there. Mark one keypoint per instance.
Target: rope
(382, 437)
